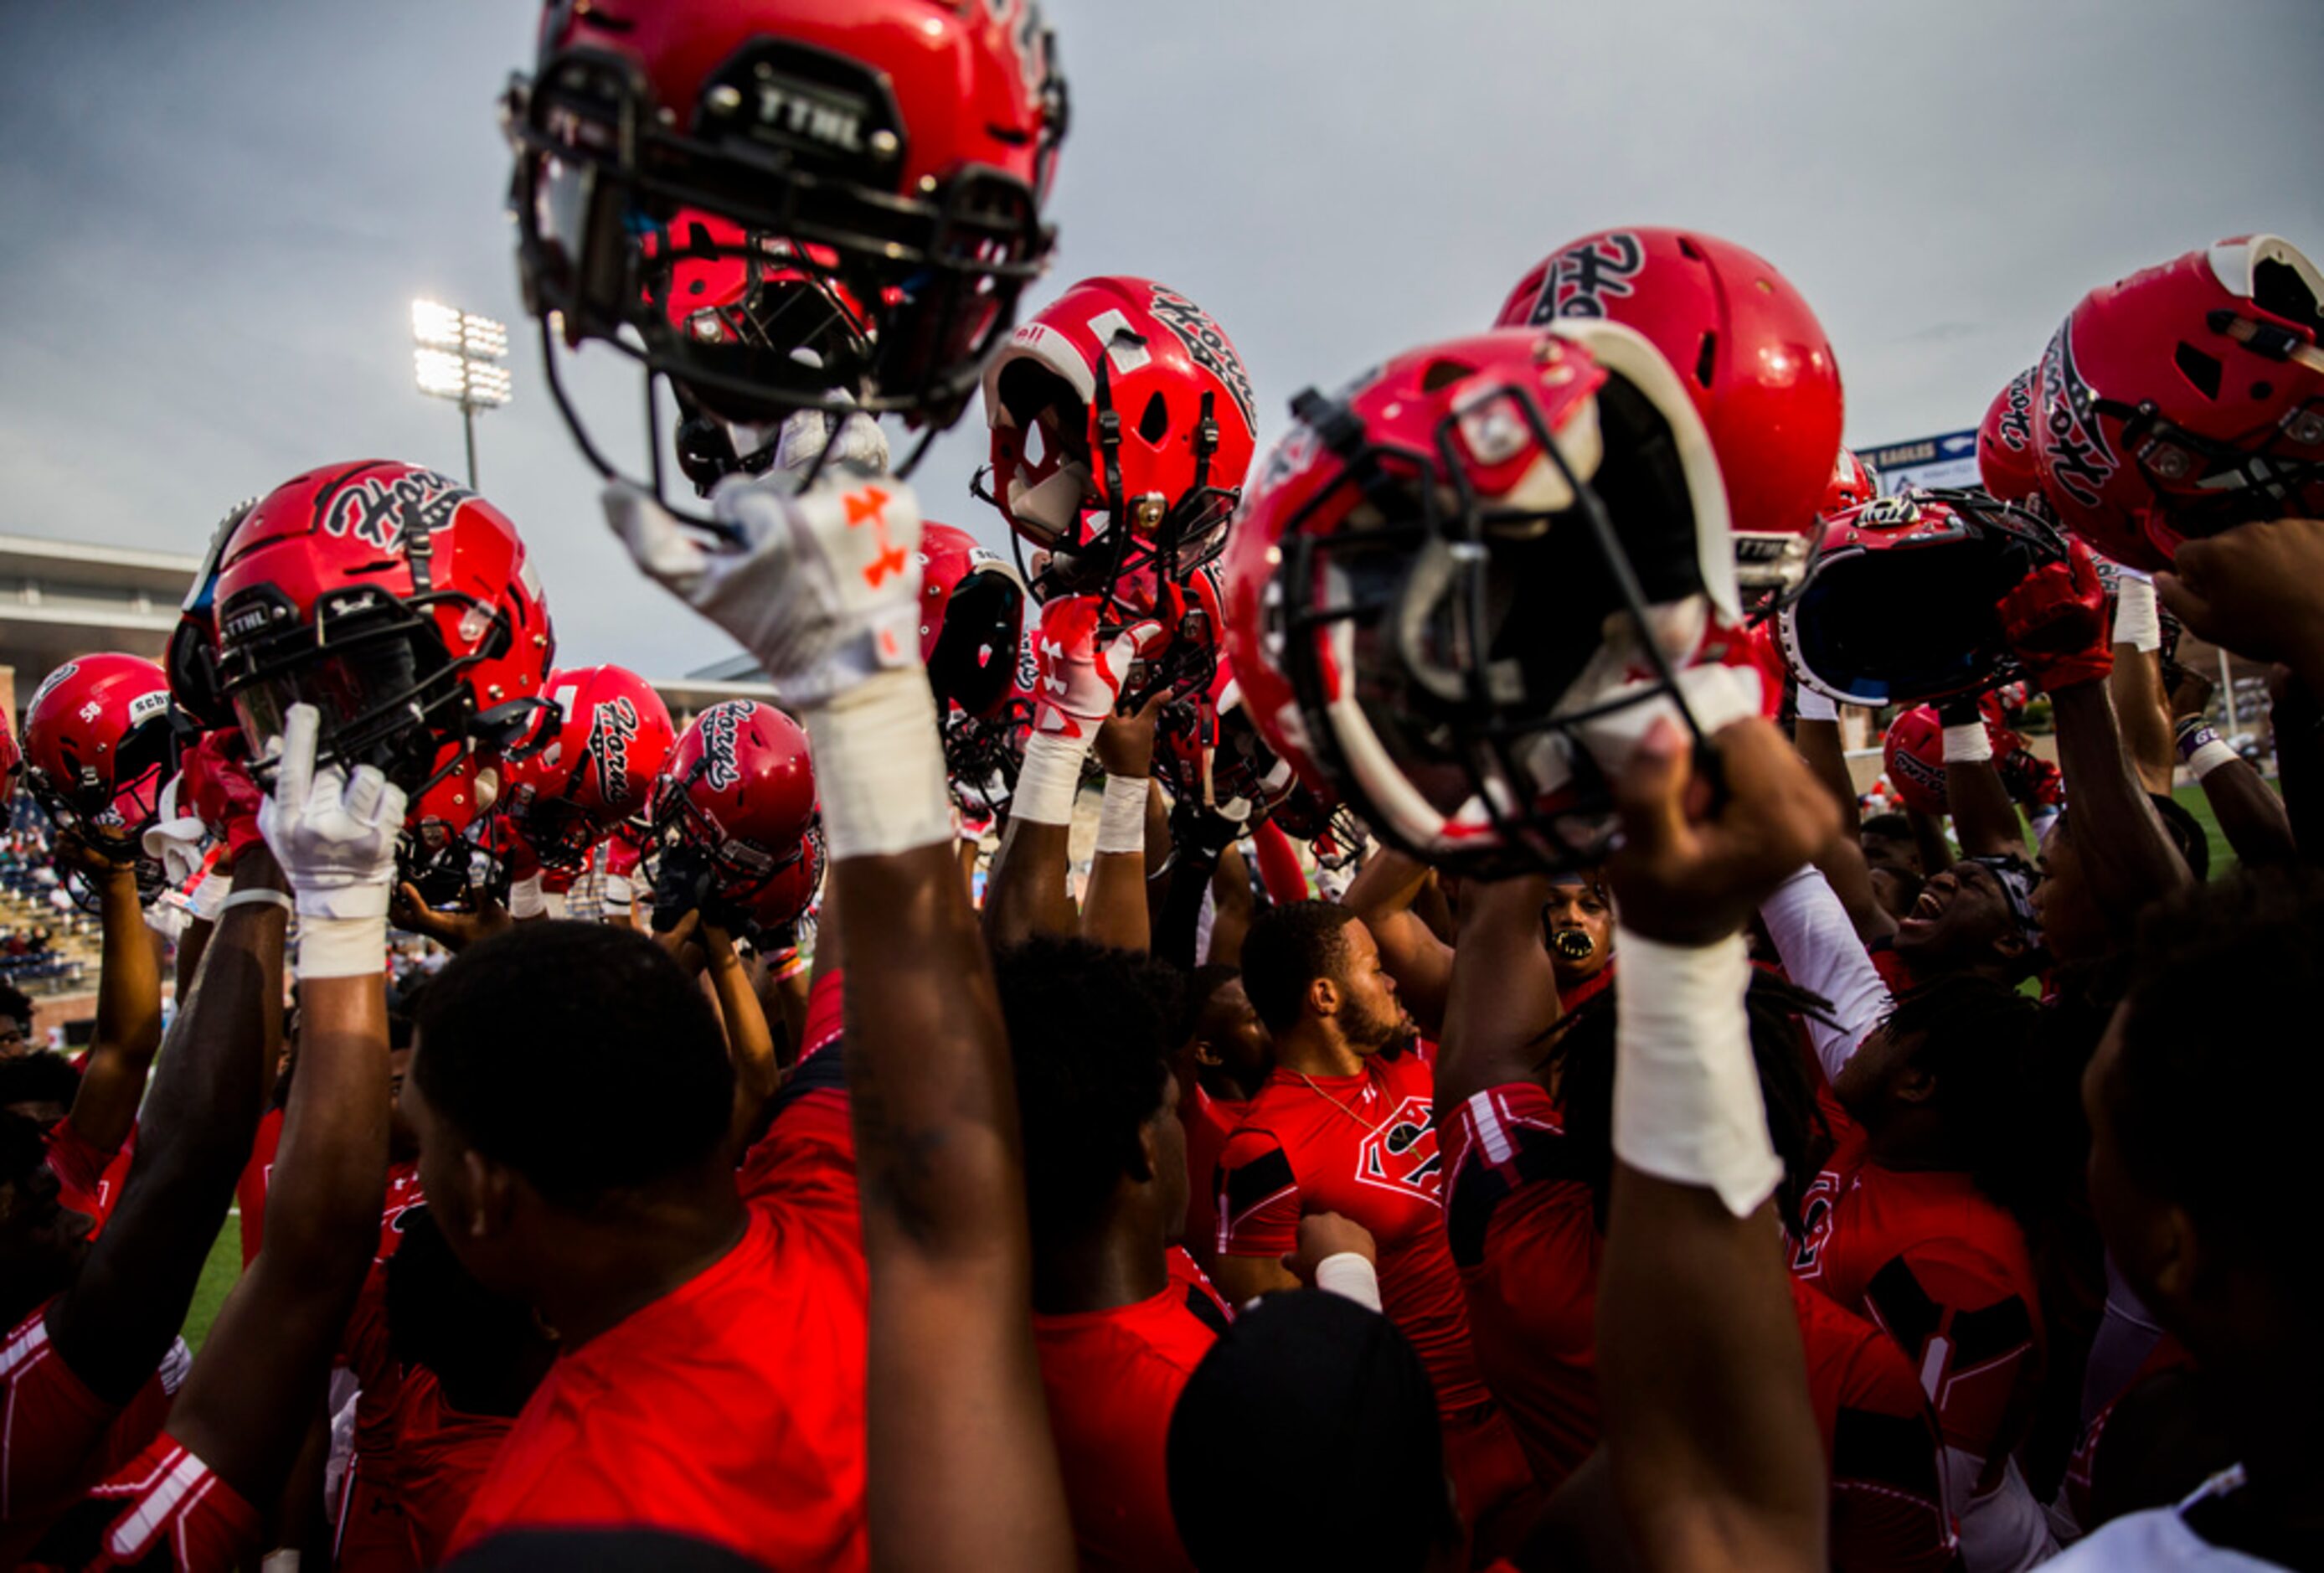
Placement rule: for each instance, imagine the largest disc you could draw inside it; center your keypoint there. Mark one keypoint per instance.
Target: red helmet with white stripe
(1853, 483)
(1121, 420)
(1748, 351)
(2187, 399)
(98, 744)
(1460, 590)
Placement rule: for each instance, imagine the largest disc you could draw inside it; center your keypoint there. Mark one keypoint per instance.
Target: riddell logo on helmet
(612, 728)
(380, 512)
(1207, 343)
(1584, 279)
(722, 731)
(2078, 458)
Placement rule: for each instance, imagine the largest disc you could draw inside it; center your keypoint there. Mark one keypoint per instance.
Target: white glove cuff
(208, 899)
(556, 903)
(2137, 620)
(1350, 1277)
(1687, 1108)
(880, 767)
(620, 893)
(525, 900)
(1812, 706)
(1050, 778)
(1968, 743)
(332, 946)
(1121, 821)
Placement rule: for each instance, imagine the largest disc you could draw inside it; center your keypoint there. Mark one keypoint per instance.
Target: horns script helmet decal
(378, 511)
(1207, 342)
(722, 726)
(1587, 274)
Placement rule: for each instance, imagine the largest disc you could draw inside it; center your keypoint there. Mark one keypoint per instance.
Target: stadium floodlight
(454, 356)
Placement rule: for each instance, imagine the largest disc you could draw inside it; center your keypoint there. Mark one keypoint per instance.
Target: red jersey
(441, 1457)
(1112, 1379)
(826, 1009)
(250, 1190)
(162, 1513)
(57, 1437)
(730, 1409)
(1209, 1122)
(1887, 1491)
(1202, 1296)
(1944, 1271)
(1522, 1225)
(89, 1178)
(1363, 1146)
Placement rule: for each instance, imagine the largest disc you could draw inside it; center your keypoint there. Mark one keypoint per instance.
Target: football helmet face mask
(611, 740)
(1897, 606)
(1749, 352)
(2187, 399)
(1207, 751)
(858, 188)
(403, 608)
(737, 800)
(1122, 419)
(972, 621)
(1459, 591)
(191, 660)
(2006, 464)
(1853, 483)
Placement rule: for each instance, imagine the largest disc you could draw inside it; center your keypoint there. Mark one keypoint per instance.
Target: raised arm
(1113, 908)
(2140, 702)
(749, 1042)
(2251, 817)
(962, 1473)
(244, 1408)
(1985, 819)
(1422, 964)
(1503, 994)
(1716, 1458)
(128, 1031)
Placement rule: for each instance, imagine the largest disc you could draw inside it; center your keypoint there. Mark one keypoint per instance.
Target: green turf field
(218, 1275)
(2191, 799)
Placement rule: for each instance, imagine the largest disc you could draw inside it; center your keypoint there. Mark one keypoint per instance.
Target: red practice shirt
(1944, 1271)
(1209, 1122)
(250, 1190)
(163, 1511)
(1113, 1378)
(1887, 1493)
(730, 1409)
(1363, 1146)
(441, 1457)
(89, 1178)
(57, 1437)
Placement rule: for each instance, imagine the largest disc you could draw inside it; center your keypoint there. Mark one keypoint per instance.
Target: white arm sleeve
(1819, 949)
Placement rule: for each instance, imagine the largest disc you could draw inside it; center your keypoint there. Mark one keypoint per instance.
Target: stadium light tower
(457, 355)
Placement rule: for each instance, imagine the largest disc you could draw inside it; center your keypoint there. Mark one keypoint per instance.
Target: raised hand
(1694, 864)
(214, 786)
(333, 834)
(2055, 620)
(2256, 589)
(822, 585)
(1081, 679)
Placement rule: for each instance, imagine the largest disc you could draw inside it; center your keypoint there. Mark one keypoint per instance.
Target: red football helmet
(897, 151)
(1122, 400)
(192, 659)
(785, 898)
(972, 620)
(98, 744)
(1206, 750)
(1897, 606)
(612, 738)
(1460, 590)
(1749, 353)
(1853, 483)
(738, 794)
(2005, 461)
(402, 606)
(11, 758)
(1913, 753)
(2187, 399)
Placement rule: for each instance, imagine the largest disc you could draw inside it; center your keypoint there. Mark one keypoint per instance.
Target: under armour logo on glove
(823, 585)
(1081, 679)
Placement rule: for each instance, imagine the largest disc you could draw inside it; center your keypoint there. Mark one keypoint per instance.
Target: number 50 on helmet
(1460, 591)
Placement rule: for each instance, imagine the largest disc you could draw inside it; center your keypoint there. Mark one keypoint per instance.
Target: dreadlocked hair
(1581, 1045)
(1982, 1043)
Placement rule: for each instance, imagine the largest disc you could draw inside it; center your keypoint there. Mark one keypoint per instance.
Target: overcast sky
(218, 214)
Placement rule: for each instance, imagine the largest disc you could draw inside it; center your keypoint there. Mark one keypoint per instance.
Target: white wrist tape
(342, 947)
(2137, 620)
(620, 893)
(1968, 743)
(210, 897)
(1350, 1277)
(2209, 757)
(556, 903)
(880, 768)
(1050, 778)
(1686, 1093)
(1812, 706)
(525, 899)
(253, 898)
(1121, 821)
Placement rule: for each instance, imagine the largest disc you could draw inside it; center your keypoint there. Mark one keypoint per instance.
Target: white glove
(175, 840)
(1080, 683)
(333, 834)
(853, 439)
(821, 586)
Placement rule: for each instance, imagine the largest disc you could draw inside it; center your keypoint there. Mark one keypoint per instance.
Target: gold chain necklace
(1362, 1122)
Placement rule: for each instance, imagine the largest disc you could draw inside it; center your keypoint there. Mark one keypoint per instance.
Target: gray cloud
(219, 214)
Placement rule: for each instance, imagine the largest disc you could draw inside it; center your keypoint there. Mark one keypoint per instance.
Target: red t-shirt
(1209, 1122)
(441, 1457)
(1887, 1491)
(162, 1513)
(57, 1437)
(1944, 1271)
(1521, 1222)
(1112, 1379)
(1202, 1296)
(250, 1190)
(730, 1409)
(89, 1178)
(1363, 1146)
(826, 1010)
